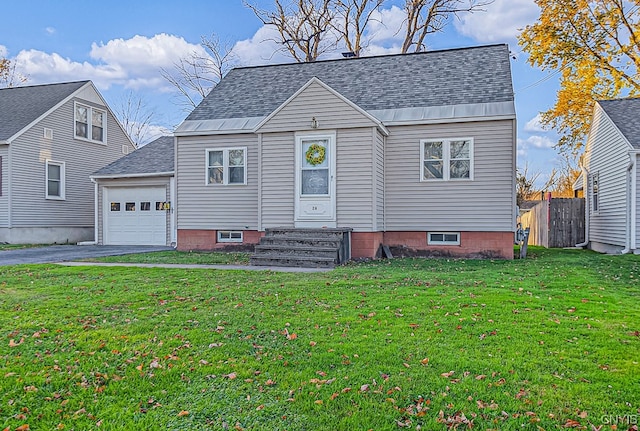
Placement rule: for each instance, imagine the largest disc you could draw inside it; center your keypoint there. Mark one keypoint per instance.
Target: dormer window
(89, 123)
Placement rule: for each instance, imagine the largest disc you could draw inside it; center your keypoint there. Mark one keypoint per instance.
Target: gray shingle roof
(435, 78)
(19, 106)
(154, 158)
(625, 113)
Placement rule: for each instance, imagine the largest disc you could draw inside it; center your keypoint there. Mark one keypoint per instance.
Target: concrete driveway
(65, 253)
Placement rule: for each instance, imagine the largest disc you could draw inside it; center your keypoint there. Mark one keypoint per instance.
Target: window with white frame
(443, 238)
(227, 166)
(446, 159)
(90, 123)
(595, 190)
(54, 180)
(229, 236)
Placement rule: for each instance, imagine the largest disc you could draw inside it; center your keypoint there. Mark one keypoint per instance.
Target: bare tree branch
(195, 76)
(431, 16)
(9, 77)
(302, 25)
(136, 118)
(354, 16)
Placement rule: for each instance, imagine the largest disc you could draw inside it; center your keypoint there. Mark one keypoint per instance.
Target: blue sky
(121, 46)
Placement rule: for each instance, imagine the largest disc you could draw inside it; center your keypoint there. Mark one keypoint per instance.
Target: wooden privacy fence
(555, 223)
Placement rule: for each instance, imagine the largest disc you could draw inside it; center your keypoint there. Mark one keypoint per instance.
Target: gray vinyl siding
(205, 206)
(315, 101)
(278, 180)
(29, 152)
(485, 203)
(131, 182)
(356, 179)
(378, 166)
(4, 186)
(607, 155)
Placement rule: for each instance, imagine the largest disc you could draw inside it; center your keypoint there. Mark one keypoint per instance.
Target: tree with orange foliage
(595, 46)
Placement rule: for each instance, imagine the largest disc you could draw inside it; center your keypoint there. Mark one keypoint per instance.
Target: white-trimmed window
(54, 180)
(90, 123)
(595, 192)
(229, 236)
(446, 159)
(443, 238)
(226, 166)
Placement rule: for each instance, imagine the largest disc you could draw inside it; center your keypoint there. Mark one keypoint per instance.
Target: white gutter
(585, 188)
(143, 175)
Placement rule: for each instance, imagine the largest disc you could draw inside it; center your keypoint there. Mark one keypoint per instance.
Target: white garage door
(135, 216)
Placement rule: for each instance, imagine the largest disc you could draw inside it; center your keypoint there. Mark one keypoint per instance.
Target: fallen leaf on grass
(449, 374)
(230, 376)
(425, 361)
(12, 342)
(183, 413)
(572, 424)
(24, 427)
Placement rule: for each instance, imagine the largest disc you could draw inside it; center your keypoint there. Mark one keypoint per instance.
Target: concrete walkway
(193, 266)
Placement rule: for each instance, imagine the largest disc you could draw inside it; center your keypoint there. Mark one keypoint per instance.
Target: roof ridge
(369, 57)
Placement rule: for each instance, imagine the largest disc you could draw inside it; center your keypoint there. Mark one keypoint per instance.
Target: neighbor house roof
(155, 158)
(391, 88)
(20, 106)
(625, 113)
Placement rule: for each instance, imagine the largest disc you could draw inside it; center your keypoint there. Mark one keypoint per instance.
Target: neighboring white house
(414, 150)
(52, 137)
(134, 197)
(610, 177)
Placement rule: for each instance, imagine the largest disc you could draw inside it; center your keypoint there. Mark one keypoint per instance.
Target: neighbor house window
(446, 159)
(54, 180)
(229, 236)
(90, 123)
(227, 166)
(595, 185)
(443, 238)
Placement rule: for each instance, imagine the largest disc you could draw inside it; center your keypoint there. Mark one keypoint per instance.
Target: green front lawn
(550, 342)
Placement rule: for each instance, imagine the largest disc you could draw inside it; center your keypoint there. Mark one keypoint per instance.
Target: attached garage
(134, 197)
(135, 216)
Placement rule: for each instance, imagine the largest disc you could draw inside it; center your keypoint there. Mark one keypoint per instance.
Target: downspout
(634, 201)
(585, 188)
(630, 230)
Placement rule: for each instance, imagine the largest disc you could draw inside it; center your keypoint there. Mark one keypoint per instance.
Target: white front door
(315, 204)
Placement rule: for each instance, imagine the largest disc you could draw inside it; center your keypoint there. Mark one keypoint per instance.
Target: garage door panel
(133, 216)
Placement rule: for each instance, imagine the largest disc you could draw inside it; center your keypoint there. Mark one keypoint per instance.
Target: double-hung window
(54, 180)
(446, 159)
(90, 123)
(226, 166)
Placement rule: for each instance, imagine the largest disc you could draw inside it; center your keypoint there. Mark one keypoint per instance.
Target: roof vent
(349, 54)
(48, 133)
(125, 149)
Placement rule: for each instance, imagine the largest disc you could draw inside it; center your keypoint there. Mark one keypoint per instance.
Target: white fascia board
(143, 175)
(315, 80)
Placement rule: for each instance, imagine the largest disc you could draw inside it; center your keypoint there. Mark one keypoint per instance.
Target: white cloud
(132, 63)
(3, 51)
(262, 48)
(50, 30)
(535, 125)
(502, 21)
(537, 141)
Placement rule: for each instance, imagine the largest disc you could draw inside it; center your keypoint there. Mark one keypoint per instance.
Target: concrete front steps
(303, 247)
